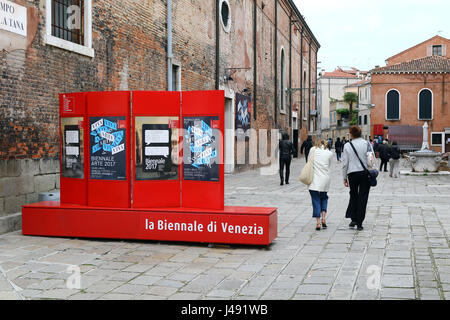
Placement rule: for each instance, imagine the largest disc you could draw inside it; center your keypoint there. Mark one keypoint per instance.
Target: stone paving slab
(403, 252)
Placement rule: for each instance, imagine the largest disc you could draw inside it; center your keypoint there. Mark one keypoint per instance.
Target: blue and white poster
(243, 112)
(201, 148)
(107, 144)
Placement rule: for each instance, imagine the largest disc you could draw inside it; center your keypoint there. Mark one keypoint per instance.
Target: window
(365, 119)
(225, 15)
(437, 50)
(282, 83)
(66, 20)
(359, 120)
(176, 77)
(393, 105)
(437, 138)
(425, 105)
(69, 25)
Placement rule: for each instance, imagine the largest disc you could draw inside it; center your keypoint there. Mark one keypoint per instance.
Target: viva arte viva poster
(107, 146)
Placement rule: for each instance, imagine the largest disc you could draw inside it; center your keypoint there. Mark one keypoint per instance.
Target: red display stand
(145, 165)
(239, 225)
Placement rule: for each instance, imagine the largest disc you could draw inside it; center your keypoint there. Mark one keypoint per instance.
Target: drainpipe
(217, 43)
(276, 63)
(301, 80)
(169, 45)
(290, 72)
(255, 57)
(309, 89)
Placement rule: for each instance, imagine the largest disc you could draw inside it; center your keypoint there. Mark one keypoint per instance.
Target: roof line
(436, 36)
(299, 15)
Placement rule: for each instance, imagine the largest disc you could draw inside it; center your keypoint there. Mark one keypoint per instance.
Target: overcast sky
(365, 33)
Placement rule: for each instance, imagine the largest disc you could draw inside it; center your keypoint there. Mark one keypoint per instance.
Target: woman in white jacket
(320, 185)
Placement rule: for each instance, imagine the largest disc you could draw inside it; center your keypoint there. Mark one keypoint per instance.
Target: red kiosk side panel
(72, 119)
(202, 193)
(156, 110)
(109, 176)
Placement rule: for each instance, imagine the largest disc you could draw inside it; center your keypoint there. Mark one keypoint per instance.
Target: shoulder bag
(371, 174)
(307, 173)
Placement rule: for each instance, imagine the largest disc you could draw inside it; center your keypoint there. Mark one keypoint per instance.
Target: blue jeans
(319, 202)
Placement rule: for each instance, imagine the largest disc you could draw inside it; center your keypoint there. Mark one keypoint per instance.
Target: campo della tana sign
(13, 18)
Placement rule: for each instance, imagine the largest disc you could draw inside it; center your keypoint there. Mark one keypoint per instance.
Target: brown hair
(355, 131)
(319, 143)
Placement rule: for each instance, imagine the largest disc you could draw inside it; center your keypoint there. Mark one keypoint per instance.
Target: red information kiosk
(145, 165)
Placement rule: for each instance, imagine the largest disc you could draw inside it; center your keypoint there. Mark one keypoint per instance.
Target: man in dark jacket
(383, 150)
(394, 162)
(338, 147)
(286, 151)
(306, 145)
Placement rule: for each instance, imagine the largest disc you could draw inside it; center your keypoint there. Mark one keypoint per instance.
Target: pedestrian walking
(394, 162)
(338, 147)
(355, 177)
(306, 145)
(344, 141)
(286, 150)
(320, 185)
(383, 150)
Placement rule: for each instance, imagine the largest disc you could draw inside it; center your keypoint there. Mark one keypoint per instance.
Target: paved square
(403, 252)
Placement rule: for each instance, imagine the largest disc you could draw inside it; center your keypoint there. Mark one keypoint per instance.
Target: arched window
(282, 82)
(425, 104)
(393, 105)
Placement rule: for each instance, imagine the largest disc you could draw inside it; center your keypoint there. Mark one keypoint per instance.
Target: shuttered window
(425, 105)
(437, 50)
(393, 105)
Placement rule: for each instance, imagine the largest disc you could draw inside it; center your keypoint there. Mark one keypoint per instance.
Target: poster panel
(72, 165)
(156, 147)
(107, 143)
(243, 112)
(201, 148)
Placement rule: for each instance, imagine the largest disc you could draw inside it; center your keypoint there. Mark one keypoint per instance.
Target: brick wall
(421, 50)
(409, 86)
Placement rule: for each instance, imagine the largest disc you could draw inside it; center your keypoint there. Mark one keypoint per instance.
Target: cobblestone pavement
(403, 252)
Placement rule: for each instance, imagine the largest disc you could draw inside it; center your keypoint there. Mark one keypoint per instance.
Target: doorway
(447, 142)
(229, 135)
(295, 142)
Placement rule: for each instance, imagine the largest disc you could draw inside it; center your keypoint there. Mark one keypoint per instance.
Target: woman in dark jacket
(286, 151)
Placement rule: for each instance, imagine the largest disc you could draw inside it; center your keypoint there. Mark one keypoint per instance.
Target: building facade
(257, 49)
(331, 90)
(364, 106)
(414, 88)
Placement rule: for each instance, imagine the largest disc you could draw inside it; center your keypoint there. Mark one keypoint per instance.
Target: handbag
(371, 174)
(307, 173)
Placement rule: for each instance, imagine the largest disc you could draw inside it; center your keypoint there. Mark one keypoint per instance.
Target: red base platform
(232, 225)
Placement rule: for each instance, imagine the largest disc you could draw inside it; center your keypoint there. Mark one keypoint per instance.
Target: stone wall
(21, 181)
